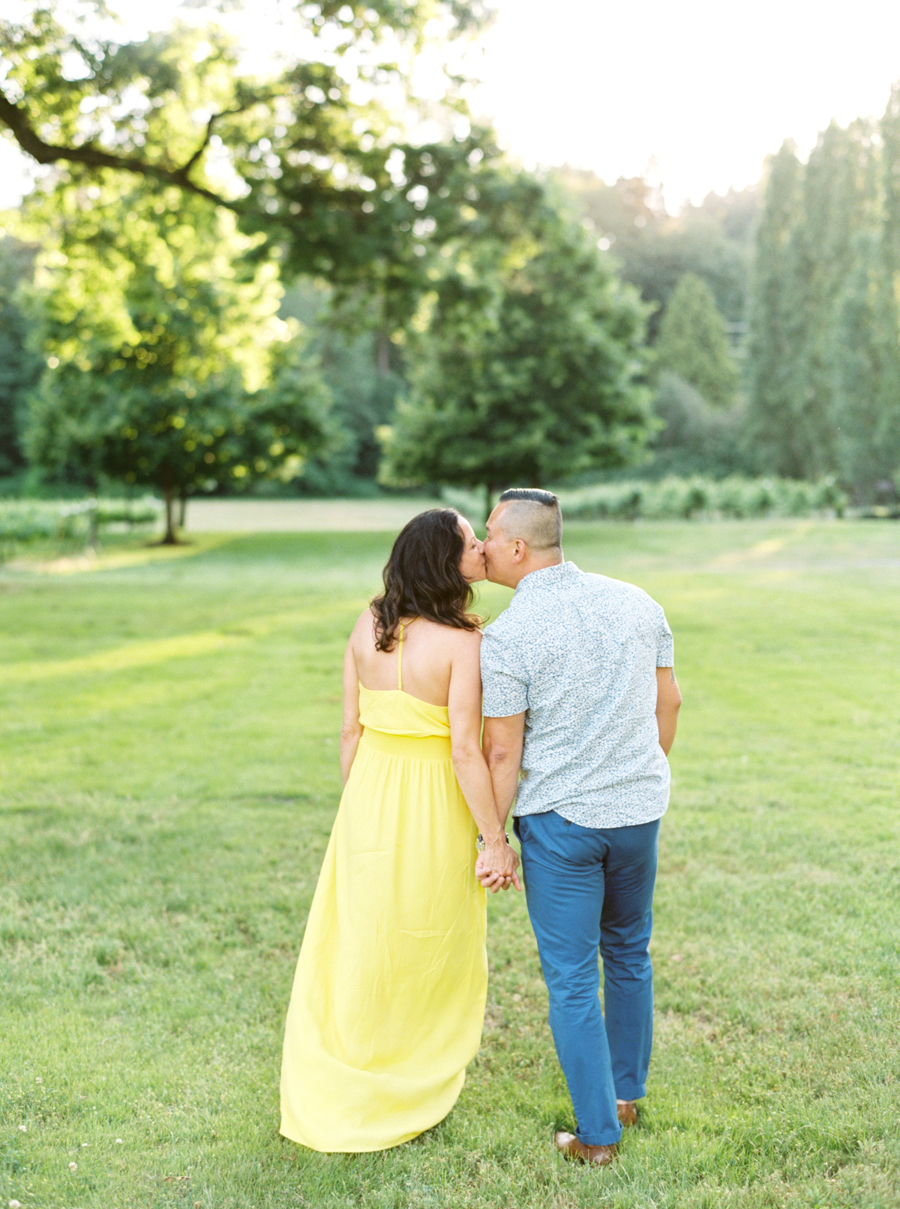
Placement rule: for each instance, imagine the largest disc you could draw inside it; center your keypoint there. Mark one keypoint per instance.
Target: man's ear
(519, 550)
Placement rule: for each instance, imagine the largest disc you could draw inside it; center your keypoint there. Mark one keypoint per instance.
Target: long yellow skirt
(388, 998)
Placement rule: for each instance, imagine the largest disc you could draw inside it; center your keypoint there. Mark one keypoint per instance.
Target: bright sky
(705, 88)
(708, 88)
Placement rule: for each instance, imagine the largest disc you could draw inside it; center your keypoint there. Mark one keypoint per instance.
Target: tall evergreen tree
(866, 334)
(692, 343)
(813, 274)
(837, 204)
(773, 300)
(889, 132)
(866, 386)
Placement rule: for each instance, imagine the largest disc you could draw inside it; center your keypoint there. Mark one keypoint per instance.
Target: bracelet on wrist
(481, 842)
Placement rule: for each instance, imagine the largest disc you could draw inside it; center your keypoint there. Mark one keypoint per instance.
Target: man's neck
(538, 564)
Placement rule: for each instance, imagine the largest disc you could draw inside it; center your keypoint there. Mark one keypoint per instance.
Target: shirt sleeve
(503, 681)
(665, 646)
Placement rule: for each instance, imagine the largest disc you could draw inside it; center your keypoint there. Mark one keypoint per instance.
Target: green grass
(169, 757)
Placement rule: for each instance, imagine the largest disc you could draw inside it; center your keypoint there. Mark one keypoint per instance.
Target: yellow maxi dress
(388, 998)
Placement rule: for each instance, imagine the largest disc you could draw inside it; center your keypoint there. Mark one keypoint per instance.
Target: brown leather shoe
(571, 1148)
(626, 1111)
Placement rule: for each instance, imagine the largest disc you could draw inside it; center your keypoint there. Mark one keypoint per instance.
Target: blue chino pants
(586, 889)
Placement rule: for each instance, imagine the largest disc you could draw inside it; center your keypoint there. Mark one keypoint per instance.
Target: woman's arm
(351, 728)
(464, 707)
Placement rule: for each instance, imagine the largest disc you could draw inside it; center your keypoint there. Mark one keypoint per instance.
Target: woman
(389, 993)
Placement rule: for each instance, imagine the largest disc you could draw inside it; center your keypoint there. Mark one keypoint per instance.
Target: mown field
(169, 767)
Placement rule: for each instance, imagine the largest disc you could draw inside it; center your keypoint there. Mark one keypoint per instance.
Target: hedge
(692, 497)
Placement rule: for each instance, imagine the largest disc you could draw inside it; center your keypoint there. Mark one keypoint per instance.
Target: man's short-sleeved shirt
(578, 653)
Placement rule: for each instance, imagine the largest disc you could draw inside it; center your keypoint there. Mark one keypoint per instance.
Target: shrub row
(691, 497)
(68, 524)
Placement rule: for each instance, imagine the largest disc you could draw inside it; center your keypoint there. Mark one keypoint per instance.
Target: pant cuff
(600, 1139)
(637, 1093)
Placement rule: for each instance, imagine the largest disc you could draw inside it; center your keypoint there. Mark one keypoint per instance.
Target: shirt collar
(547, 577)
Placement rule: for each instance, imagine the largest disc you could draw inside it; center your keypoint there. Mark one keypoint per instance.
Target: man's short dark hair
(533, 515)
(529, 493)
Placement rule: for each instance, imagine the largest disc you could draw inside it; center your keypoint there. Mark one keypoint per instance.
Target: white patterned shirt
(577, 653)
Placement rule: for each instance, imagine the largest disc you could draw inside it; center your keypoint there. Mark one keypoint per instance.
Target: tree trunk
(383, 352)
(488, 496)
(171, 537)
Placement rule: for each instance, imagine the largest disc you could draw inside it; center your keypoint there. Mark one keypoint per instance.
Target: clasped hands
(496, 867)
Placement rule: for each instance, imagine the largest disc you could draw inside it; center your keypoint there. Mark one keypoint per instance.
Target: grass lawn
(169, 761)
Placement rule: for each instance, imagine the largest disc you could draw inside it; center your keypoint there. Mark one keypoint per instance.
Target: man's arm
(464, 709)
(502, 743)
(668, 703)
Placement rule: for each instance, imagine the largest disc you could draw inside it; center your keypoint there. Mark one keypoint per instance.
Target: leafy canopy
(527, 363)
(167, 365)
(318, 154)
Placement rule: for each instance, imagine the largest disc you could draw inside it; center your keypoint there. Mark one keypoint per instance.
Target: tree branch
(15, 118)
(226, 113)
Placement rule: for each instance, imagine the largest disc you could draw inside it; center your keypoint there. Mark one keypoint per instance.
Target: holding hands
(497, 865)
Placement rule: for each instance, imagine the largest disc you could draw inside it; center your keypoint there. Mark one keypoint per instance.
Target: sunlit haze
(699, 92)
(706, 88)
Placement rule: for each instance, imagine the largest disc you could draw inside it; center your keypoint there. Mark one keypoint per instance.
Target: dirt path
(301, 516)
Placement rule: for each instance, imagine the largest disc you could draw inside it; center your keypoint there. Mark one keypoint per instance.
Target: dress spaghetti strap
(400, 659)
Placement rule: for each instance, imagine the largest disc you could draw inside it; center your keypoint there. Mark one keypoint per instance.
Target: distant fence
(68, 525)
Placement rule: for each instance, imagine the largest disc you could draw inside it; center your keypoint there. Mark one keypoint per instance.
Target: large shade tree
(526, 368)
(166, 363)
(325, 154)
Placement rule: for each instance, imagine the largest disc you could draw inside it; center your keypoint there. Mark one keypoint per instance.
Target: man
(580, 698)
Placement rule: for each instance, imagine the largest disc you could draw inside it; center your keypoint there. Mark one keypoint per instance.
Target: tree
(694, 437)
(837, 204)
(20, 366)
(621, 213)
(166, 363)
(363, 372)
(654, 250)
(527, 367)
(866, 367)
(692, 343)
(815, 224)
(318, 158)
(772, 306)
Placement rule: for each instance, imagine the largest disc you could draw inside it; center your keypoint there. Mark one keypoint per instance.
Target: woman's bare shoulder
(461, 644)
(364, 626)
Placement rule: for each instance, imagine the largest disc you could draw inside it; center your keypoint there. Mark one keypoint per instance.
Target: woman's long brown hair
(422, 577)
